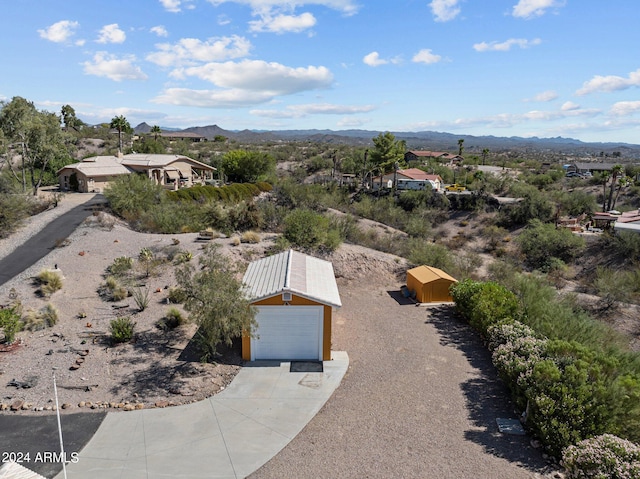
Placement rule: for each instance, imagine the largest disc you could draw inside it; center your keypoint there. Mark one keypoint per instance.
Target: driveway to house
(38, 246)
(420, 400)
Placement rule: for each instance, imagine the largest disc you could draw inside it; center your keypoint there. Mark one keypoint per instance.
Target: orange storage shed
(429, 284)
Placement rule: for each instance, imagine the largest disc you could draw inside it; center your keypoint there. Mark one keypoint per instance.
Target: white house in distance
(409, 179)
(93, 174)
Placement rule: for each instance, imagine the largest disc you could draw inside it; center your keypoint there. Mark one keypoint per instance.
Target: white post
(55, 392)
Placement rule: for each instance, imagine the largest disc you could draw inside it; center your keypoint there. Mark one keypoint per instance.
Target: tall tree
(460, 146)
(33, 141)
(121, 124)
(69, 118)
(155, 131)
(215, 301)
(604, 177)
(616, 172)
(387, 152)
(242, 166)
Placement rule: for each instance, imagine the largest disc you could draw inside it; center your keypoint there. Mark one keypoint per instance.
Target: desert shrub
(250, 237)
(120, 266)
(612, 286)
(533, 205)
(146, 257)
(307, 229)
(45, 317)
(247, 166)
(171, 320)
(10, 323)
(177, 295)
(541, 242)
(420, 252)
(182, 257)
(129, 195)
(121, 329)
(141, 297)
(604, 456)
(112, 290)
(625, 244)
(49, 281)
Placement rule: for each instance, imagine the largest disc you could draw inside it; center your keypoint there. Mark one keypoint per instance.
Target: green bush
(10, 324)
(307, 229)
(604, 456)
(141, 297)
(541, 243)
(177, 295)
(172, 319)
(121, 329)
(120, 266)
(14, 208)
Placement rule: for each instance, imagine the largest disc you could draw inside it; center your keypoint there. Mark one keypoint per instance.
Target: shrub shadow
(169, 377)
(486, 396)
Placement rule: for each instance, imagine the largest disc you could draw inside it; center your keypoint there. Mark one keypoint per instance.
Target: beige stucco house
(171, 171)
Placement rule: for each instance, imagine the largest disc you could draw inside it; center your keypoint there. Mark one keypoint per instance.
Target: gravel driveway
(420, 399)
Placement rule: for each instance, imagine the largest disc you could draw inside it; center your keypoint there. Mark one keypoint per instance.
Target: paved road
(32, 439)
(43, 242)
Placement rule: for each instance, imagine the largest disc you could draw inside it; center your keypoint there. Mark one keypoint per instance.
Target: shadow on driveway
(486, 396)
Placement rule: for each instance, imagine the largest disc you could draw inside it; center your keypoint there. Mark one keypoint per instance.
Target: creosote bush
(10, 323)
(172, 319)
(121, 329)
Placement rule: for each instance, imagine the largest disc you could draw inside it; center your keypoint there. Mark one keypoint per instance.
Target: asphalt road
(43, 242)
(33, 441)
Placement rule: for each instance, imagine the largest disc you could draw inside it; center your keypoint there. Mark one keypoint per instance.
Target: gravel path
(420, 400)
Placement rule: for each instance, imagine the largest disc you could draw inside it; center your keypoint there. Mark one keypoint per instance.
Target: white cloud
(610, 83)
(534, 8)
(301, 111)
(171, 5)
(625, 108)
(570, 106)
(283, 23)
(114, 68)
(258, 75)
(111, 34)
(506, 45)
(159, 30)
(262, 7)
(373, 60)
(444, 10)
(426, 56)
(190, 51)
(248, 82)
(233, 98)
(59, 32)
(544, 96)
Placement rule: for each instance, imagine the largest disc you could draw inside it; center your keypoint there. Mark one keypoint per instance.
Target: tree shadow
(173, 377)
(487, 398)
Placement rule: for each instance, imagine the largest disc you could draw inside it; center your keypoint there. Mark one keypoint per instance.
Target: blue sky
(542, 68)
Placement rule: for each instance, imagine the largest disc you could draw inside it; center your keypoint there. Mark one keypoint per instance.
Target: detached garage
(430, 285)
(294, 295)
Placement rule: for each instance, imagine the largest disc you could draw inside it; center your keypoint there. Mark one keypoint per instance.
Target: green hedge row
(570, 392)
(234, 192)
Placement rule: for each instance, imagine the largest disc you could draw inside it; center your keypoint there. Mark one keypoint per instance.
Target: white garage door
(288, 333)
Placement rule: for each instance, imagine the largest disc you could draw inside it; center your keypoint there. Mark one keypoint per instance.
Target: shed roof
(427, 274)
(295, 272)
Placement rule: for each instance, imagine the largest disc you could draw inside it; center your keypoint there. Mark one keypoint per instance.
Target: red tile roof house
(408, 174)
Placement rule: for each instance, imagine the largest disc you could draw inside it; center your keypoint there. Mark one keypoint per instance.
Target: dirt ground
(158, 368)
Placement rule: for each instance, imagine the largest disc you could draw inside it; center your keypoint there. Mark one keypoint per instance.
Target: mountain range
(422, 140)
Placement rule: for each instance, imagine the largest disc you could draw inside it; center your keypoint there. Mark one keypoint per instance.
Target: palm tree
(121, 124)
(622, 183)
(460, 147)
(155, 131)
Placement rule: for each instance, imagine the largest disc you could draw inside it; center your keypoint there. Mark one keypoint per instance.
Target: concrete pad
(229, 435)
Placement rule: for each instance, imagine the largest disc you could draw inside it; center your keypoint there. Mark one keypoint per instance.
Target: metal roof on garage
(427, 274)
(291, 271)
